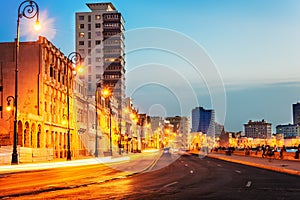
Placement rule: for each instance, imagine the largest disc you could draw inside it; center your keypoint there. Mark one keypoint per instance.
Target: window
(81, 51)
(81, 34)
(54, 74)
(98, 33)
(97, 42)
(51, 71)
(81, 17)
(81, 26)
(58, 77)
(97, 17)
(97, 25)
(81, 43)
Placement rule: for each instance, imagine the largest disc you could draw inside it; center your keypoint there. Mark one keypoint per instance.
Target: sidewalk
(62, 162)
(283, 166)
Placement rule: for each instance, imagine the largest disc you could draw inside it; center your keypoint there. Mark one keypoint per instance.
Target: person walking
(282, 151)
(297, 152)
(263, 151)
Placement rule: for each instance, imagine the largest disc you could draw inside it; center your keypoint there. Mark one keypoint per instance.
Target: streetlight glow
(106, 92)
(37, 25)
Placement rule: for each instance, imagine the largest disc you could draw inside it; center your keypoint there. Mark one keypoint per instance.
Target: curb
(272, 168)
(277, 169)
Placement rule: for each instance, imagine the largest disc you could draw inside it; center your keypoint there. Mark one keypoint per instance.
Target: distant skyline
(253, 44)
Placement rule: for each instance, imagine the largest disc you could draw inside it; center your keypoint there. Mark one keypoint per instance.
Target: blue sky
(254, 44)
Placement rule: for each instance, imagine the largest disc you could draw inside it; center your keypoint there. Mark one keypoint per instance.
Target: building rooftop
(101, 6)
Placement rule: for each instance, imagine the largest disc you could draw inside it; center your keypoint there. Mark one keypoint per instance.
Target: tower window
(97, 25)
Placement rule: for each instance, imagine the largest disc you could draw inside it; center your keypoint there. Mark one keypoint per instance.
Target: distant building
(258, 129)
(296, 113)
(218, 129)
(182, 127)
(289, 130)
(203, 121)
(156, 123)
(181, 124)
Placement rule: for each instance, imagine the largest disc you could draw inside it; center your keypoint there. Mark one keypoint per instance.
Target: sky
(239, 57)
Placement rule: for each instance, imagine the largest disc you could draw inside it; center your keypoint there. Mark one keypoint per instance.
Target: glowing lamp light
(106, 92)
(37, 25)
(8, 108)
(80, 69)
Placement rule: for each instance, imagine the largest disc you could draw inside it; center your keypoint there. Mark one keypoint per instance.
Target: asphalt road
(189, 177)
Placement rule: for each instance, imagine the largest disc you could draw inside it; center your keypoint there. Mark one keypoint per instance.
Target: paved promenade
(283, 166)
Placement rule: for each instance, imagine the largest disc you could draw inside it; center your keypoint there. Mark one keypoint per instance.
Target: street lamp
(96, 123)
(29, 10)
(74, 58)
(107, 94)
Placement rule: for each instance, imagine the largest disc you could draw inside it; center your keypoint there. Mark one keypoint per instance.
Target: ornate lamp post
(29, 10)
(96, 123)
(74, 58)
(107, 94)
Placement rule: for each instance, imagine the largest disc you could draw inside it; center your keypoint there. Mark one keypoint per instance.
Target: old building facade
(44, 75)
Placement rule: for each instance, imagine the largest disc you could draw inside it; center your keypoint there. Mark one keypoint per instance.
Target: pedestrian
(263, 151)
(282, 150)
(297, 152)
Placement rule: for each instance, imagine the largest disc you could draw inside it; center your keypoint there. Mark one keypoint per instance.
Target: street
(187, 177)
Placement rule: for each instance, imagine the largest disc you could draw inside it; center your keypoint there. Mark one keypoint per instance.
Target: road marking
(237, 171)
(173, 183)
(248, 184)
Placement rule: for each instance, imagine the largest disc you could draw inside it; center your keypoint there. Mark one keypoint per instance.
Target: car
(166, 151)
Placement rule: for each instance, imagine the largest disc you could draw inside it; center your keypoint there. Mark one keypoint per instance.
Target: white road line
(237, 171)
(248, 184)
(173, 183)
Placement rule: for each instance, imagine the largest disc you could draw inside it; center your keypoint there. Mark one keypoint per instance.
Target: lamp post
(107, 94)
(110, 112)
(29, 10)
(96, 123)
(74, 58)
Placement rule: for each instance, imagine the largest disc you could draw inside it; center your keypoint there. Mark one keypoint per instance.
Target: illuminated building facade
(42, 97)
(258, 129)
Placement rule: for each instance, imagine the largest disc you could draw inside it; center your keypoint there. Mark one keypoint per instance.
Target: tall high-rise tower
(100, 41)
(296, 113)
(203, 121)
